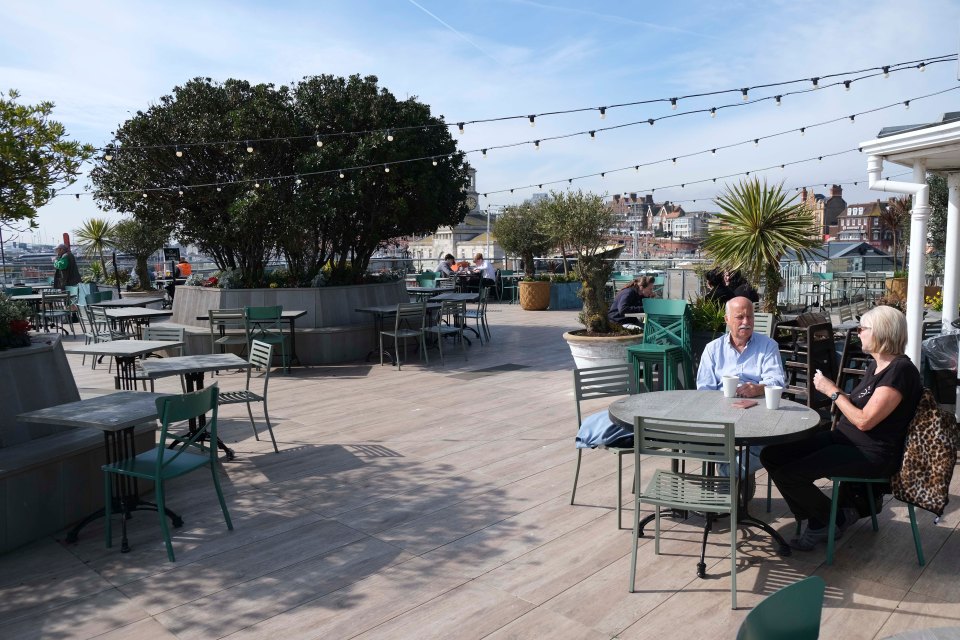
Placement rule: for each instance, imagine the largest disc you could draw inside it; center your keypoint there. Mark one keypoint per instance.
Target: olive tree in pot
(580, 222)
(519, 230)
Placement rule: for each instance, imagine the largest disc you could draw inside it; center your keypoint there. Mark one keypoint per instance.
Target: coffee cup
(730, 384)
(772, 395)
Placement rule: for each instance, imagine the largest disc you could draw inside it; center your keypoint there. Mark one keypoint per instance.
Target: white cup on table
(730, 384)
(772, 395)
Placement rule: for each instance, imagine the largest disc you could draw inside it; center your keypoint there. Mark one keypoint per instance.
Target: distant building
(861, 223)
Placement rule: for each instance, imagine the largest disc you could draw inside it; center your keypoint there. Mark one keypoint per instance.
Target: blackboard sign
(171, 253)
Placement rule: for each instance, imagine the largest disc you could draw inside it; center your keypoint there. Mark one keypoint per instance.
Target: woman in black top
(630, 299)
(869, 437)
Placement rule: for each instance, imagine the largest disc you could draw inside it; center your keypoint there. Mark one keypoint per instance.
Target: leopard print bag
(929, 456)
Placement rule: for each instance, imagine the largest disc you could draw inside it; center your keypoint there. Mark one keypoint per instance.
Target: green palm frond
(758, 226)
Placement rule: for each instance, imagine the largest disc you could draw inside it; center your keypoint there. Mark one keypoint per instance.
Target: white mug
(730, 384)
(772, 395)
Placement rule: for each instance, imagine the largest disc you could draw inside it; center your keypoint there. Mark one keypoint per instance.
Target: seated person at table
(755, 358)
(485, 269)
(868, 439)
(445, 267)
(718, 290)
(630, 300)
(739, 286)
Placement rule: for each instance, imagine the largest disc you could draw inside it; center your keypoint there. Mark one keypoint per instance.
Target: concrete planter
(600, 351)
(534, 296)
(332, 330)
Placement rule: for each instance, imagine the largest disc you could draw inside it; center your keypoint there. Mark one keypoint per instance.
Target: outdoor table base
(125, 494)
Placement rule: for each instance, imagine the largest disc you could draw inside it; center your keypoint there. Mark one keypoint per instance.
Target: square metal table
(116, 415)
(136, 317)
(193, 368)
(289, 316)
(127, 302)
(125, 353)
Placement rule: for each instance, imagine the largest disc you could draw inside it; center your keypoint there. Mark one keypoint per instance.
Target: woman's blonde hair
(479, 256)
(889, 327)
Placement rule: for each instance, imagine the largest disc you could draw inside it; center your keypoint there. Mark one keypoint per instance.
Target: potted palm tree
(581, 222)
(758, 225)
(519, 230)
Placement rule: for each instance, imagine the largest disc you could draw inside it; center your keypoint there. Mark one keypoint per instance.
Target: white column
(951, 265)
(918, 267)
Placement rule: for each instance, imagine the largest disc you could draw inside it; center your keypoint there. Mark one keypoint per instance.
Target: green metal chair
(603, 382)
(261, 355)
(679, 440)
(666, 325)
(790, 613)
(479, 315)
(834, 502)
(409, 322)
(427, 279)
(161, 464)
(450, 321)
(266, 325)
(508, 286)
(162, 333)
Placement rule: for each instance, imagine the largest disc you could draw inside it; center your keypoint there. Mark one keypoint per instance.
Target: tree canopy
(286, 196)
(141, 240)
(35, 157)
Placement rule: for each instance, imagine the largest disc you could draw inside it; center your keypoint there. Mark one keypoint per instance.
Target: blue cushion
(597, 430)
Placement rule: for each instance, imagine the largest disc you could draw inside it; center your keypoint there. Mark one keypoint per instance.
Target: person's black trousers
(796, 466)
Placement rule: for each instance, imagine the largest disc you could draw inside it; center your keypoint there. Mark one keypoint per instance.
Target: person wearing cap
(67, 273)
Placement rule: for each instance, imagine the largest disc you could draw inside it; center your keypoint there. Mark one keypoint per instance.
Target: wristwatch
(834, 396)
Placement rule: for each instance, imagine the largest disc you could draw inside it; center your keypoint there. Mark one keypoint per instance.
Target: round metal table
(754, 426)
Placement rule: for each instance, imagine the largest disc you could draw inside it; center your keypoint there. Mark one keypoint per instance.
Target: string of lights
(816, 82)
(385, 167)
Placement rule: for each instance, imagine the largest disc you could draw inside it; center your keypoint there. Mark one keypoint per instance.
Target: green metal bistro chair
(508, 286)
(449, 322)
(225, 328)
(409, 322)
(790, 613)
(834, 502)
(261, 355)
(161, 464)
(266, 325)
(163, 334)
(666, 326)
(479, 315)
(603, 382)
(678, 440)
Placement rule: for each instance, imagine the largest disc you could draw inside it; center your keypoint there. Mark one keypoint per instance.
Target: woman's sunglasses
(862, 328)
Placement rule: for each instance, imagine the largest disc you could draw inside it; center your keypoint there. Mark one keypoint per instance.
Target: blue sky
(478, 59)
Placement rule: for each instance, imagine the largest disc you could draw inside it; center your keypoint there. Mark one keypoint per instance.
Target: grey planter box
(563, 295)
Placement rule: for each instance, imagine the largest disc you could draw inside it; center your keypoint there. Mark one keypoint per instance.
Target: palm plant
(758, 226)
(95, 236)
(892, 217)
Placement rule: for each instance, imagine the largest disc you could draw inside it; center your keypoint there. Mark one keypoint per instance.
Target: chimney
(803, 194)
(836, 191)
(616, 197)
(633, 197)
(648, 199)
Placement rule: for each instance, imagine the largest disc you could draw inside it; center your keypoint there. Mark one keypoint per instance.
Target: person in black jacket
(718, 290)
(735, 281)
(630, 300)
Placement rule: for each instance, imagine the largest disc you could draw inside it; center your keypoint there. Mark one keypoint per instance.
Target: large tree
(358, 213)
(185, 161)
(35, 158)
(758, 225)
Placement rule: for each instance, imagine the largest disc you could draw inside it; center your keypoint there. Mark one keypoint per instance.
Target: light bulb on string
(816, 82)
(319, 142)
(674, 160)
(342, 175)
(108, 155)
(853, 119)
(756, 142)
(389, 136)
(77, 195)
(179, 152)
(219, 189)
(484, 152)
(777, 98)
(386, 168)
(435, 163)
(603, 113)
(144, 194)
(651, 121)
(803, 130)
(713, 151)
(593, 135)
(249, 147)
(922, 67)
(536, 145)
(906, 105)
(636, 168)
(533, 120)
(713, 112)
(256, 185)
(846, 85)
(603, 175)
(673, 103)
(886, 71)
(460, 127)
(746, 95)
(298, 181)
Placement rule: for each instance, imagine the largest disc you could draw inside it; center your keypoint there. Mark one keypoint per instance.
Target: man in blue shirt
(755, 359)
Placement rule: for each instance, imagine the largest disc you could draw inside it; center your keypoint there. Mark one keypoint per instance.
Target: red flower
(210, 282)
(19, 327)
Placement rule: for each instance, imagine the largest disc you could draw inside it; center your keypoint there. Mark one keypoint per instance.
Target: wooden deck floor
(433, 502)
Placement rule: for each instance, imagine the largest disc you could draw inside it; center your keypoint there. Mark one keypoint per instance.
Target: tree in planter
(757, 228)
(95, 236)
(519, 230)
(581, 222)
(140, 240)
(35, 157)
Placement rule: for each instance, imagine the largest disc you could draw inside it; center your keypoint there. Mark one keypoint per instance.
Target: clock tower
(471, 191)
